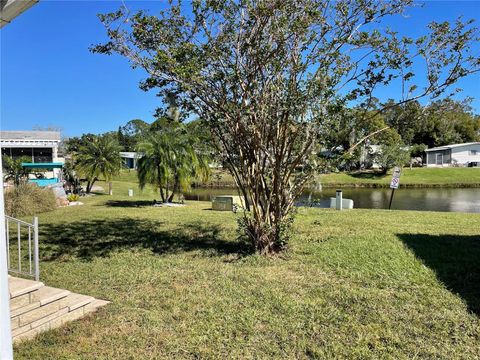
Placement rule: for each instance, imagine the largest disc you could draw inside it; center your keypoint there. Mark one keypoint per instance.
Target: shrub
(28, 199)
(73, 197)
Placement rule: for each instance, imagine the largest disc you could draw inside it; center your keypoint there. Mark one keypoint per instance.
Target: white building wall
(461, 155)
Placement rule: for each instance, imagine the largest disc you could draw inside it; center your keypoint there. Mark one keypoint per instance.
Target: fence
(22, 247)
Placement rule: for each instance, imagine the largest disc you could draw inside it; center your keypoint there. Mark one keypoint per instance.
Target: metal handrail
(33, 268)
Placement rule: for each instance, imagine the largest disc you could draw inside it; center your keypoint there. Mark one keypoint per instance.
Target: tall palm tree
(169, 161)
(98, 158)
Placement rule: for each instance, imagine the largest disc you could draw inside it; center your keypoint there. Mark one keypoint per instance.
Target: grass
(416, 177)
(360, 284)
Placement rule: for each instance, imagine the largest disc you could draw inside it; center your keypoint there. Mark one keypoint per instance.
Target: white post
(339, 199)
(54, 153)
(6, 351)
(35, 249)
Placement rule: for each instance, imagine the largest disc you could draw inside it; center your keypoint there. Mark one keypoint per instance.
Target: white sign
(395, 178)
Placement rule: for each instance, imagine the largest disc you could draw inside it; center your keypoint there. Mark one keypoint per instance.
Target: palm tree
(98, 158)
(169, 161)
(14, 170)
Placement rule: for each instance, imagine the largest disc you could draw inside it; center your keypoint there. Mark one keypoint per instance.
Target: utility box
(227, 203)
(346, 203)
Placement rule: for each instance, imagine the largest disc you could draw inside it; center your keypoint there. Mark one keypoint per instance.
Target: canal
(426, 199)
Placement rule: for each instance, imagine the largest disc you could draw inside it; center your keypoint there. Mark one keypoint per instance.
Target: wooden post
(391, 199)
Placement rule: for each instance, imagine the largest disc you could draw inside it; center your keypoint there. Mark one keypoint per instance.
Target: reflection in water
(433, 199)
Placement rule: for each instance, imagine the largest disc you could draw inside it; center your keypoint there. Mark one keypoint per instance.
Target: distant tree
(14, 171)
(266, 74)
(391, 155)
(442, 122)
(73, 144)
(48, 128)
(132, 133)
(169, 161)
(99, 158)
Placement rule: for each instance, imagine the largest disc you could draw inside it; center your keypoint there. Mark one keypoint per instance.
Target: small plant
(73, 197)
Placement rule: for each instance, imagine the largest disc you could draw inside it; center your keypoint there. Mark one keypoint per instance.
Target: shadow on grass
(455, 259)
(368, 175)
(128, 203)
(98, 238)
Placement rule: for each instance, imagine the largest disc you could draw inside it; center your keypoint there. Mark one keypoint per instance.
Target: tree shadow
(368, 175)
(88, 239)
(455, 259)
(128, 203)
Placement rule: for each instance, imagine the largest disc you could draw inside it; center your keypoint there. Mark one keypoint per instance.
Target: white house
(467, 154)
(129, 159)
(40, 146)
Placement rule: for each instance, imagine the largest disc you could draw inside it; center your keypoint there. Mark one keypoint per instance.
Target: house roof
(452, 146)
(30, 135)
(128, 154)
(12, 8)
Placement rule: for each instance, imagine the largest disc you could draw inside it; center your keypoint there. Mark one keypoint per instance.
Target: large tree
(265, 74)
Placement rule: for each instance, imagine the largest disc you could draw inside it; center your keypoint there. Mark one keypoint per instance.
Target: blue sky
(49, 77)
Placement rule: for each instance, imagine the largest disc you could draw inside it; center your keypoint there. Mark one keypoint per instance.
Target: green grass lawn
(418, 177)
(360, 284)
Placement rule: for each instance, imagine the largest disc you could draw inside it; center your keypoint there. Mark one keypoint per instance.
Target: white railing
(22, 247)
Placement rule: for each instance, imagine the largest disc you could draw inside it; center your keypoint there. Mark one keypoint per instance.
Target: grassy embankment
(416, 177)
(356, 284)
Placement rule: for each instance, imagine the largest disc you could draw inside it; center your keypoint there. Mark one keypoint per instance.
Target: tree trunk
(174, 189)
(110, 188)
(162, 195)
(90, 185)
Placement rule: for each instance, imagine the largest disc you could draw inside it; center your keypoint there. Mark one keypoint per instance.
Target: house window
(472, 152)
(439, 159)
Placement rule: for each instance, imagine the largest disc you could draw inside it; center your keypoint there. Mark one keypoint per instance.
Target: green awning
(51, 165)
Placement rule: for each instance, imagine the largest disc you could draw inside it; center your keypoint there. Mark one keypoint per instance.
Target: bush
(73, 197)
(28, 199)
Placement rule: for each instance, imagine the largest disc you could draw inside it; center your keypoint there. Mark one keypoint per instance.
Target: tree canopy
(267, 75)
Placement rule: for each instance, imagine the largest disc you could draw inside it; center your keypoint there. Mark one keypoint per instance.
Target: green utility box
(227, 203)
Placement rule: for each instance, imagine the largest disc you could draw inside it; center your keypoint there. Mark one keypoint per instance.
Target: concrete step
(19, 287)
(75, 306)
(35, 307)
(46, 295)
(41, 297)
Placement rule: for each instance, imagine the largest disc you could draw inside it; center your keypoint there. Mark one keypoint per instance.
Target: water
(426, 199)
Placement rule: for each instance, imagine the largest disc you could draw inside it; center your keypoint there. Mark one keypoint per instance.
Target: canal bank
(410, 178)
